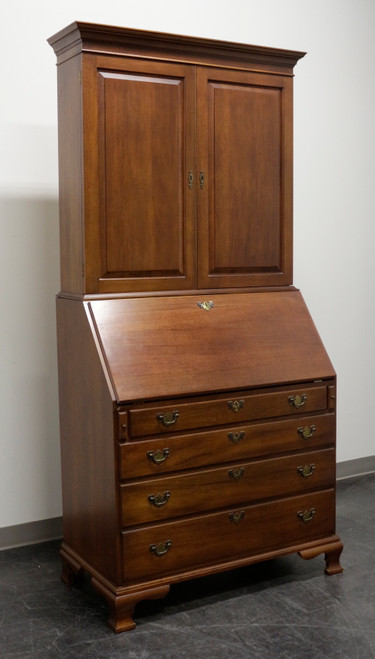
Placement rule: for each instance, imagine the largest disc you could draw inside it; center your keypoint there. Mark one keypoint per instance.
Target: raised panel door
(245, 160)
(145, 230)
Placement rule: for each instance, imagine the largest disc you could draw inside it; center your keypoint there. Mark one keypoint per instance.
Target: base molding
(31, 533)
(353, 468)
(51, 529)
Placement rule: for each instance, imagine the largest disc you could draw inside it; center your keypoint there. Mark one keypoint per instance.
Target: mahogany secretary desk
(197, 402)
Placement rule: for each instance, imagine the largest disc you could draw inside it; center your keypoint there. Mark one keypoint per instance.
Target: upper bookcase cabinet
(175, 162)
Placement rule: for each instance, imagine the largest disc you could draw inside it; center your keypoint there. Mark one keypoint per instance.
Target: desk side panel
(88, 455)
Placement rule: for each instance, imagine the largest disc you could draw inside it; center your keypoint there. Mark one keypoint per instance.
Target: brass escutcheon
(306, 432)
(306, 515)
(297, 401)
(161, 548)
(236, 474)
(158, 456)
(159, 499)
(236, 437)
(206, 305)
(168, 419)
(201, 179)
(306, 471)
(237, 517)
(236, 405)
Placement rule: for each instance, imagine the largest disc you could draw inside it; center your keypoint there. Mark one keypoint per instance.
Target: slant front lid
(171, 346)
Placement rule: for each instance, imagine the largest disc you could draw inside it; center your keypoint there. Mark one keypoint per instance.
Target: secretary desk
(197, 401)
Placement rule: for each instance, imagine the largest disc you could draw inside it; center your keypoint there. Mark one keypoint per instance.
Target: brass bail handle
(237, 517)
(306, 471)
(306, 515)
(236, 437)
(159, 499)
(168, 419)
(158, 456)
(306, 432)
(161, 548)
(297, 401)
(236, 474)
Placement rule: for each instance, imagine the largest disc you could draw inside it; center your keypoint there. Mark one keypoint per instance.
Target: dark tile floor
(285, 608)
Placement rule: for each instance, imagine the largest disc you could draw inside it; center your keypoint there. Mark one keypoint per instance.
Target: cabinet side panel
(88, 456)
(70, 175)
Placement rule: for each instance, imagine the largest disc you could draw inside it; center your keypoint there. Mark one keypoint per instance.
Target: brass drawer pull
(159, 499)
(297, 401)
(306, 471)
(237, 517)
(236, 405)
(306, 432)
(161, 548)
(168, 419)
(236, 437)
(306, 515)
(236, 474)
(158, 456)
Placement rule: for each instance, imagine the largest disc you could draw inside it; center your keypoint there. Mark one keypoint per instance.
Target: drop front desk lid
(160, 347)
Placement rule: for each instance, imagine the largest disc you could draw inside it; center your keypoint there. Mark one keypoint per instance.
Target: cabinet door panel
(245, 209)
(146, 147)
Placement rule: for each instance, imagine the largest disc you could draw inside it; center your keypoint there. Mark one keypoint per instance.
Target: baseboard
(51, 529)
(30, 533)
(358, 467)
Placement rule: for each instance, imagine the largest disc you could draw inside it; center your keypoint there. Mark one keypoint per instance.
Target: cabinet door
(244, 123)
(140, 211)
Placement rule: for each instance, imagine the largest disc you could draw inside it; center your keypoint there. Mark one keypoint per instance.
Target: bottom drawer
(174, 547)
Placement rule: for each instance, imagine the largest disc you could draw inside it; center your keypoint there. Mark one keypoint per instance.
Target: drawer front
(157, 456)
(247, 482)
(222, 411)
(175, 547)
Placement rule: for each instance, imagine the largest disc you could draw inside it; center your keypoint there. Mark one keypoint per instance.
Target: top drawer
(226, 410)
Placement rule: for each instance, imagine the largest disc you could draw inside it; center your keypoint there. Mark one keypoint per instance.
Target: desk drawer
(151, 457)
(246, 482)
(230, 409)
(175, 547)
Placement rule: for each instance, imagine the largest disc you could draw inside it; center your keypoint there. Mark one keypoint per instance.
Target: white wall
(334, 206)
